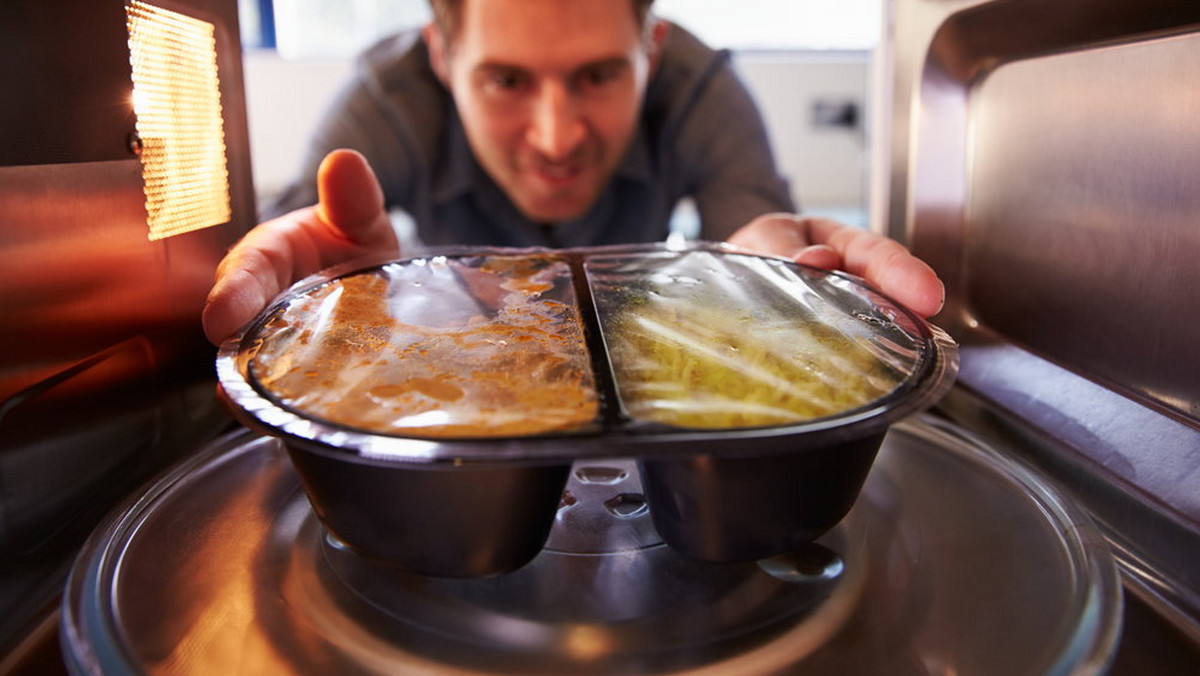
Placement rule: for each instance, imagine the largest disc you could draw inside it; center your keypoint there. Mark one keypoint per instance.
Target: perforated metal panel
(177, 100)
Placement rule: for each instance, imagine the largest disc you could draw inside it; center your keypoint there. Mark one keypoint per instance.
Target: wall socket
(835, 114)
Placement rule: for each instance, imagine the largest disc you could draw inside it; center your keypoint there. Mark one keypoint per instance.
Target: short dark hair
(447, 15)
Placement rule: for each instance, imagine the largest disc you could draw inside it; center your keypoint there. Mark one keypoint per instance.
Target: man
(542, 122)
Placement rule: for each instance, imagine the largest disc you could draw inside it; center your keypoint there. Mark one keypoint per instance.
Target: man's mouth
(558, 174)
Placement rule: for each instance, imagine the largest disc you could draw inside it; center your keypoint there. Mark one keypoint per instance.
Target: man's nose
(556, 127)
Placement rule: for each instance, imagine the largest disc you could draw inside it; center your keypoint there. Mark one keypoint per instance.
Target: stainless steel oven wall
(1044, 157)
(104, 373)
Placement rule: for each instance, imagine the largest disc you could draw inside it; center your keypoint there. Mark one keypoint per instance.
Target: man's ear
(436, 45)
(656, 35)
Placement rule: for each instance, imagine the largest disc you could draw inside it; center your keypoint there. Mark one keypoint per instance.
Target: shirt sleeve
(724, 139)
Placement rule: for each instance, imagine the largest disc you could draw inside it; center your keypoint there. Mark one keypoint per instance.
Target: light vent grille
(177, 100)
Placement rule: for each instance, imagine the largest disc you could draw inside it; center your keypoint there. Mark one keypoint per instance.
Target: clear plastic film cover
(642, 341)
(709, 340)
(470, 346)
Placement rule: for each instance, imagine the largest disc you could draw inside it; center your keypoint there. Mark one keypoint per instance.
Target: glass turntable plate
(953, 560)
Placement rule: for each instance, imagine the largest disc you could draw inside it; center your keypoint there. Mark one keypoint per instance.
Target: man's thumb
(350, 199)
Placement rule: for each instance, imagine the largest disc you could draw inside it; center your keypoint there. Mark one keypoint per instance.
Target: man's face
(549, 92)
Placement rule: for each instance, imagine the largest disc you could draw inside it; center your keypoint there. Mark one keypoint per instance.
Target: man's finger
(775, 234)
(351, 200)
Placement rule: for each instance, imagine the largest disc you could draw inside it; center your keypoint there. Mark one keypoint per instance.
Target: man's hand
(831, 245)
(349, 221)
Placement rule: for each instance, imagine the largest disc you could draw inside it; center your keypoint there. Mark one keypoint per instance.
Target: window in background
(778, 24)
(256, 19)
(307, 29)
(312, 29)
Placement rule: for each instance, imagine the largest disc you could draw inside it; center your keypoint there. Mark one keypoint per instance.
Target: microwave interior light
(177, 102)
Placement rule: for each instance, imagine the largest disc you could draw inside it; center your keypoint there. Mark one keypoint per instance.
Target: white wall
(827, 167)
(284, 100)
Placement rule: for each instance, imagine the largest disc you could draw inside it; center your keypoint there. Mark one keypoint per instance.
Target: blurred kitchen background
(807, 62)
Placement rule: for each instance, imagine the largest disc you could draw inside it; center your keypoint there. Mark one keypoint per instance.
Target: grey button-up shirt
(700, 136)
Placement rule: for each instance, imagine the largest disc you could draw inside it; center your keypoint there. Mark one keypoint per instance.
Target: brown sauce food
(517, 365)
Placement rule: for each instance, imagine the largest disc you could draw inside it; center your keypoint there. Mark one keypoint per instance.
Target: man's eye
(506, 81)
(598, 76)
